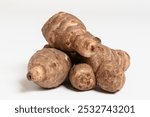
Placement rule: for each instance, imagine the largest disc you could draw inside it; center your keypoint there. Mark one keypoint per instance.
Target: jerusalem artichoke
(66, 32)
(48, 67)
(82, 77)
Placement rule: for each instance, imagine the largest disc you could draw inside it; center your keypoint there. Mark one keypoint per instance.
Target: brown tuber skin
(110, 78)
(109, 66)
(74, 56)
(48, 67)
(66, 32)
(82, 77)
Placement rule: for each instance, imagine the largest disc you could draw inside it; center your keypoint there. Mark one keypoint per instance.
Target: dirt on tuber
(109, 66)
(82, 77)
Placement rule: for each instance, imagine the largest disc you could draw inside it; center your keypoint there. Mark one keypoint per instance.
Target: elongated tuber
(66, 32)
(82, 77)
(48, 67)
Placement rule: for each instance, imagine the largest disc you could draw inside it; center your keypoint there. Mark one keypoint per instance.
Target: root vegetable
(48, 67)
(110, 78)
(66, 32)
(82, 77)
(109, 66)
(118, 58)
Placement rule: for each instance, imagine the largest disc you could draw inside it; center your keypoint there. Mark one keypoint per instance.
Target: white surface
(123, 24)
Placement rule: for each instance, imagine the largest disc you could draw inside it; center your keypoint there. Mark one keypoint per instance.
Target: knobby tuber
(66, 32)
(109, 66)
(48, 67)
(82, 77)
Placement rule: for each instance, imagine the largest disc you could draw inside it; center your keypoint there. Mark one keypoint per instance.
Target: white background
(121, 24)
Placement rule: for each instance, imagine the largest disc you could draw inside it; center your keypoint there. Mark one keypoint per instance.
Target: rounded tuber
(109, 66)
(109, 77)
(82, 77)
(48, 67)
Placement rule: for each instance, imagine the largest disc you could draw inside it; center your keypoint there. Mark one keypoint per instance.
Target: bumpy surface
(119, 58)
(82, 77)
(48, 67)
(109, 77)
(66, 32)
(109, 66)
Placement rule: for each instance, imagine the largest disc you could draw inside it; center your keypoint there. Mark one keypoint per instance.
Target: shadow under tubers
(27, 86)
